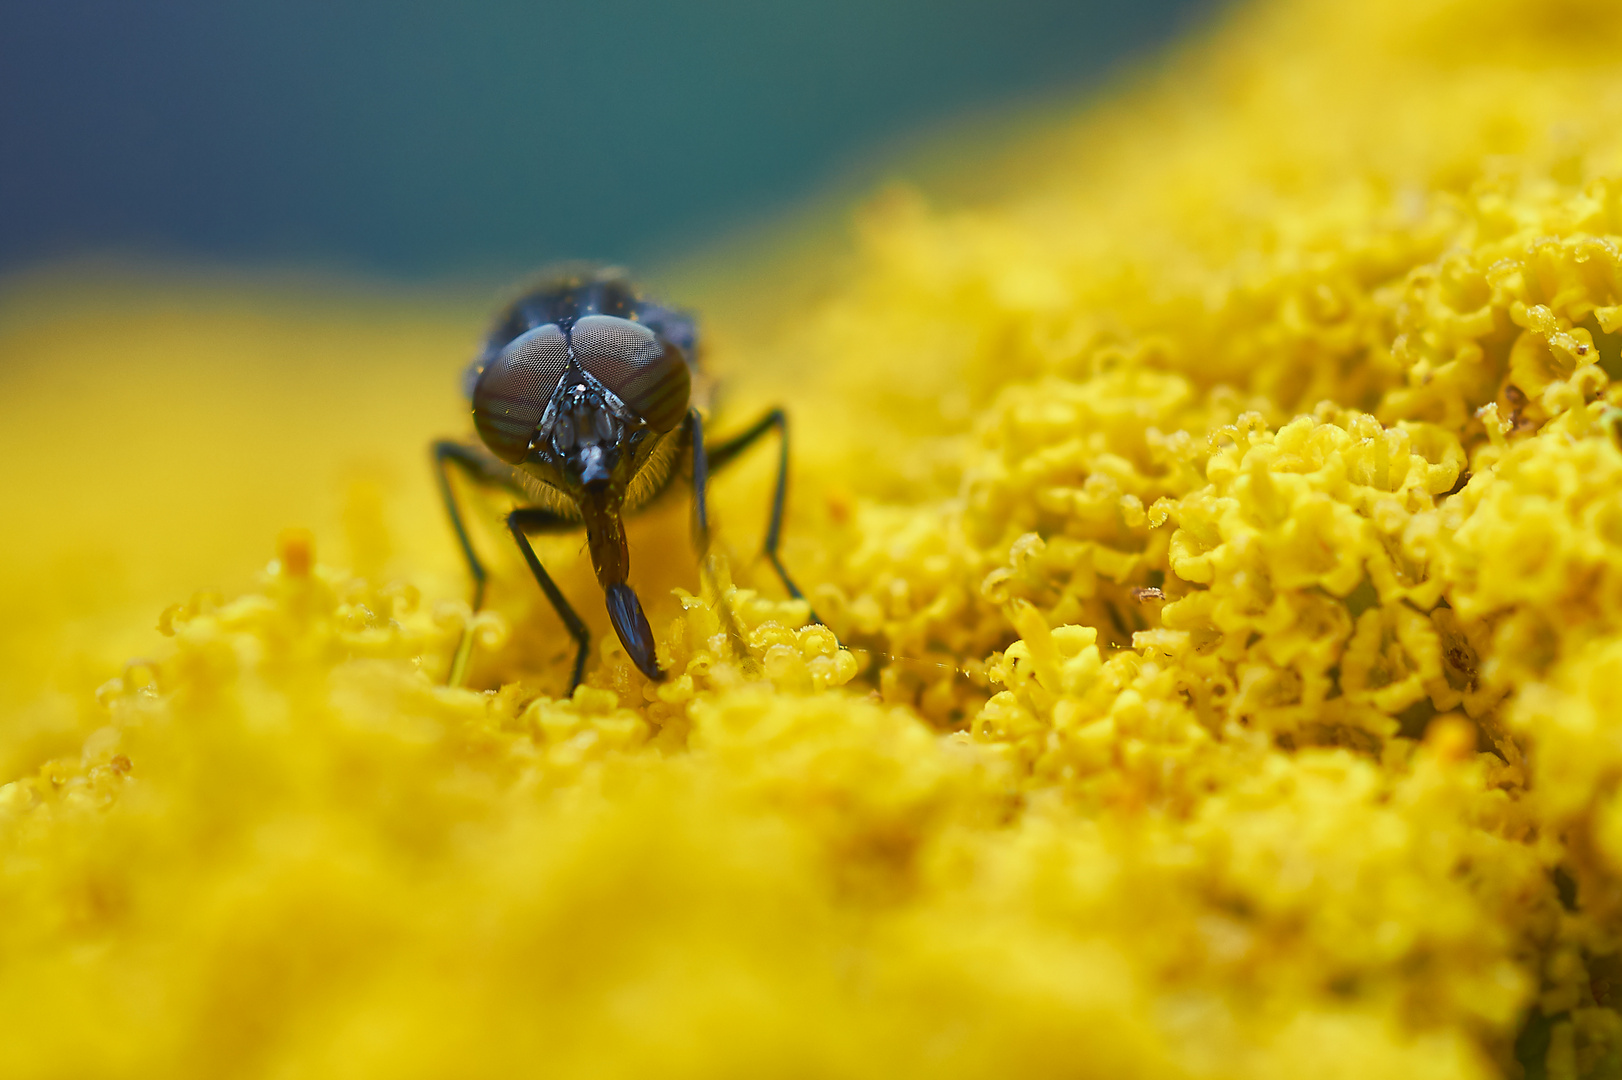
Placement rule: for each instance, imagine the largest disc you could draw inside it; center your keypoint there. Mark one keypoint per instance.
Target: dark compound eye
(512, 392)
(647, 373)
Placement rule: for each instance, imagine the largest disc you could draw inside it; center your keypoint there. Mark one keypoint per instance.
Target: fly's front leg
(521, 523)
(715, 458)
(486, 472)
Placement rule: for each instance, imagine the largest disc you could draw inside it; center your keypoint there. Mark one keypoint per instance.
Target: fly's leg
(486, 472)
(711, 459)
(701, 482)
(521, 523)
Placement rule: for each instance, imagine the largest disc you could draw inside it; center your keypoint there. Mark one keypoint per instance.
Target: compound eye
(647, 372)
(513, 390)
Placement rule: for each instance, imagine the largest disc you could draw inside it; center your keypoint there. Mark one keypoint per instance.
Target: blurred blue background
(425, 137)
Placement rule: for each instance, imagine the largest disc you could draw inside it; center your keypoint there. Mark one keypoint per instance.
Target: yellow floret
(1218, 531)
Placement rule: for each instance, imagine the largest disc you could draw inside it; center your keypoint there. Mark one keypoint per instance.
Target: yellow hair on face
(1218, 527)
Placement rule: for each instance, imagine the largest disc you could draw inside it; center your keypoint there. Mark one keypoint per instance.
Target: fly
(583, 400)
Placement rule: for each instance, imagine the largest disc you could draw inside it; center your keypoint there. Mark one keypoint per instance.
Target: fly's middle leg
(714, 458)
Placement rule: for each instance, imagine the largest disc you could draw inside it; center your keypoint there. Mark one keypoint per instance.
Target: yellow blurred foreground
(1222, 530)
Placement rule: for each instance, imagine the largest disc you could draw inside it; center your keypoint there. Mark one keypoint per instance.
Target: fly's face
(577, 402)
(589, 437)
(624, 386)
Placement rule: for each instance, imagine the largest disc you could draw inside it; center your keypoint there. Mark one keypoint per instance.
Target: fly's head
(577, 402)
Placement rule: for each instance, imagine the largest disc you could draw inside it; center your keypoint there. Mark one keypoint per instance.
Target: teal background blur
(425, 137)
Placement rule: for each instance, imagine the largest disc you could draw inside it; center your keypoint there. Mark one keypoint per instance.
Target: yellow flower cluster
(1218, 530)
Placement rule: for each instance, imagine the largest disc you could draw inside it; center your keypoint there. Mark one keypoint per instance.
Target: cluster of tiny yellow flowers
(1215, 542)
